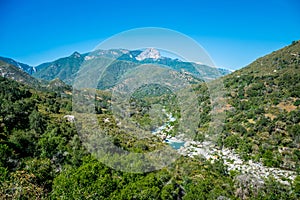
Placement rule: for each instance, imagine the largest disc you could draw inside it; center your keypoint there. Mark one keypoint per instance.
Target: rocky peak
(76, 54)
(149, 53)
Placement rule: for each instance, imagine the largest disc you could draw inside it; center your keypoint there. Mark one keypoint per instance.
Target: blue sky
(233, 32)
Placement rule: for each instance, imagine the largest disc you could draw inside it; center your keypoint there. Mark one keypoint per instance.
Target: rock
(106, 120)
(70, 118)
(149, 53)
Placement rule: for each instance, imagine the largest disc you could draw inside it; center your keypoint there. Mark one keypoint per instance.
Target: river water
(172, 141)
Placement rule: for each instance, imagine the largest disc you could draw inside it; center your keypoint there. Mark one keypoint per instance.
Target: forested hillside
(263, 119)
(42, 155)
(13, 72)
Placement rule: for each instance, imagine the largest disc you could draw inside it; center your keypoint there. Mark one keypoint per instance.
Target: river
(211, 152)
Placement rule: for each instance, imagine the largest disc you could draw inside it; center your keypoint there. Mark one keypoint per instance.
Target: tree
(23, 142)
(5, 153)
(37, 121)
(296, 186)
(92, 180)
(21, 185)
(52, 144)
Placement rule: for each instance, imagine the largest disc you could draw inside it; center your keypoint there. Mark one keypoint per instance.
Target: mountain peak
(149, 53)
(76, 54)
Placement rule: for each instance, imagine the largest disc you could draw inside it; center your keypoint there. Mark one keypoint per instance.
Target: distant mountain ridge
(13, 72)
(66, 68)
(26, 68)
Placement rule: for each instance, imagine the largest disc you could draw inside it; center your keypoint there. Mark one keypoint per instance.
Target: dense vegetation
(42, 155)
(263, 119)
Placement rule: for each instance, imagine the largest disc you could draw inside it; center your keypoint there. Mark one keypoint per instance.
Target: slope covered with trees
(13, 72)
(263, 121)
(42, 155)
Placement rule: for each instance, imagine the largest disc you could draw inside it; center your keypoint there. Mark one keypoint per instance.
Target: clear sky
(233, 32)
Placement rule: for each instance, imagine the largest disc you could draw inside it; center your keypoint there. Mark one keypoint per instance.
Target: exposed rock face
(149, 53)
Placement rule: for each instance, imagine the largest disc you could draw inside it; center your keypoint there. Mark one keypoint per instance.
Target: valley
(253, 155)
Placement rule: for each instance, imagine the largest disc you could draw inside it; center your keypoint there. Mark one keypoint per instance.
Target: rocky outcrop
(149, 53)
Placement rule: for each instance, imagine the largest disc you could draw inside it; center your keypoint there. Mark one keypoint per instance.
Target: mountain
(63, 68)
(66, 68)
(10, 71)
(26, 68)
(43, 154)
(13, 72)
(263, 112)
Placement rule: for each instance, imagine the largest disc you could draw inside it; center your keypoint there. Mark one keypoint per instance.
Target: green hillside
(263, 115)
(10, 71)
(26, 68)
(43, 156)
(63, 68)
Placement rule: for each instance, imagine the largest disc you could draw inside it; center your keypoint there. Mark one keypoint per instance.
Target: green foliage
(296, 186)
(21, 185)
(43, 171)
(24, 142)
(269, 159)
(297, 102)
(232, 141)
(264, 110)
(37, 121)
(42, 156)
(52, 143)
(91, 180)
(5, 153)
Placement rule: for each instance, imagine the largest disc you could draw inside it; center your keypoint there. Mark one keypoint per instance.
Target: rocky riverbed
(231, 159)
